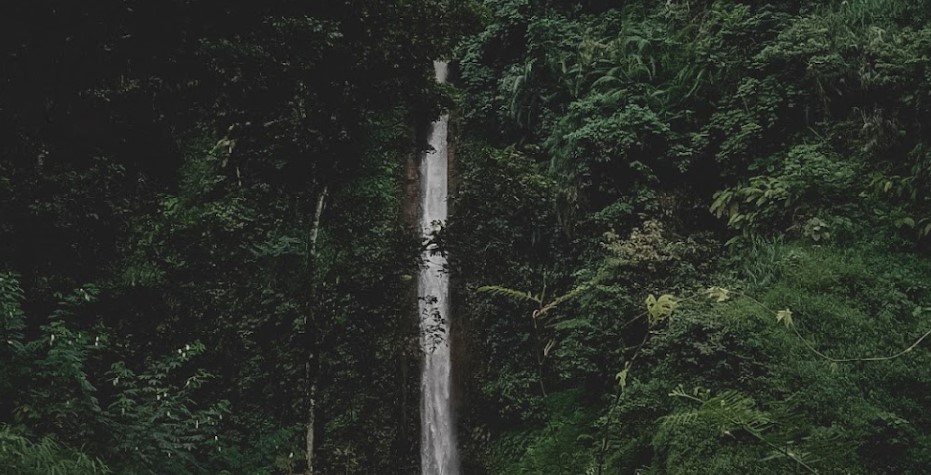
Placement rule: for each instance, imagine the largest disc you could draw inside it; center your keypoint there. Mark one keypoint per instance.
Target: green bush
(21, 456)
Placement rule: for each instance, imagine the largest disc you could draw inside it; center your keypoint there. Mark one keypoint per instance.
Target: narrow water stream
(437, 440)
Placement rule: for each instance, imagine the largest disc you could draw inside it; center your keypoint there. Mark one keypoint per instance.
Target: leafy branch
(786, 317)
(732, 410)
(660, 308)
(539, 314)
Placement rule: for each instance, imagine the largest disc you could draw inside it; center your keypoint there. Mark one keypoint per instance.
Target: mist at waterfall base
(437, 441)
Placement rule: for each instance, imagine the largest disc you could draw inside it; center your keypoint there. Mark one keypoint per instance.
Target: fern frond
(564, 298)
(729, 410)
(681, 418)
(732, 410)
(515, 295)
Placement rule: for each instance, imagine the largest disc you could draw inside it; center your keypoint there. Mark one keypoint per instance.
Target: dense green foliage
(686, 237)
(774, 152)
(164, 307)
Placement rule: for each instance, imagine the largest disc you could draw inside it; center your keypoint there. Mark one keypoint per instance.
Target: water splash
(437, 431)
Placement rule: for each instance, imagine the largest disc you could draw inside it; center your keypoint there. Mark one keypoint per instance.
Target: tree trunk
(311, 407)
(312, 364)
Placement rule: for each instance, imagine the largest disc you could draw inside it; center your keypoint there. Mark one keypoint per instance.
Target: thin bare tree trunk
(311, 407)
(312, 364)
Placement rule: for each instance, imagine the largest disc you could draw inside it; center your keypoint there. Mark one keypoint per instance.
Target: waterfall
(437, 430)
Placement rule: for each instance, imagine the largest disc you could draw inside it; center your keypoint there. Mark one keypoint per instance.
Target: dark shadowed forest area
(683, 237)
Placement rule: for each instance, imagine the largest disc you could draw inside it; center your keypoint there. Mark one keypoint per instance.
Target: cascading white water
(437, 440)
